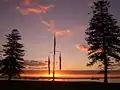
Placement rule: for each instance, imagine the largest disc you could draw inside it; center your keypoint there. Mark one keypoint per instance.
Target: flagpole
(48, 65)
(60, 61)
(54, 56)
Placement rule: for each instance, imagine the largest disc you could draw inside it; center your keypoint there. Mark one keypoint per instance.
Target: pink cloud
(28, 9)
(64, 32)
(46, 8)
(52, 28)
(82, 47)
(36, 10)
(50, 24)
(86, 47)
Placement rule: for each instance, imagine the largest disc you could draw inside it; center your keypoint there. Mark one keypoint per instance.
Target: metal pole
(60, 61)
(48, 65)
(54, 57)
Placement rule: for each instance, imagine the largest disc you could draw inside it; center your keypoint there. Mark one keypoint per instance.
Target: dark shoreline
(37, 78)
(57, 85)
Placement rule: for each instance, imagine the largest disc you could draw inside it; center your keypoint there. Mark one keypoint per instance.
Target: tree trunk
(104, 51)
(105, 60)
(105, 69)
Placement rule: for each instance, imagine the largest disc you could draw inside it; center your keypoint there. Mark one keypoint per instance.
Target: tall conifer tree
(12, 63)
(103, 37)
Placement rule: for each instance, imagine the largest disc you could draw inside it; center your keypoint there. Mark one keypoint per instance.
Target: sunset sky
(37, 19)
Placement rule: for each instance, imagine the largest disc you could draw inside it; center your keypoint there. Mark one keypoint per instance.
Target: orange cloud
(34, 63)
(82, 47)
(26, 11)
(45, 8)
(37, 10)
(64, 32)
(85, 48)
(32, 9)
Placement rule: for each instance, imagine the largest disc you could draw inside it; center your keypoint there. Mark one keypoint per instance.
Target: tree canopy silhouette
(103, 37)
(12, 63)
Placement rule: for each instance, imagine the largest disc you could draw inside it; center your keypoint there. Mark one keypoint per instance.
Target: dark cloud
(35, 63)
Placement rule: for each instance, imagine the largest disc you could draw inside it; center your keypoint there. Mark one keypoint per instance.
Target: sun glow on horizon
(58, 75)
(45, 75)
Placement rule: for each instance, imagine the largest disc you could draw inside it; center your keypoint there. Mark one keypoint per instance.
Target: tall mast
(48, 65)
(60, 61)
(54, 56)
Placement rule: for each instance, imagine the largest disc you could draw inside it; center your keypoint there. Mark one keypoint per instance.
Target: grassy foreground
(57, 85)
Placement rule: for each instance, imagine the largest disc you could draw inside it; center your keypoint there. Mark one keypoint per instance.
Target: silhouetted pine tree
(103, 37)
(12, 64)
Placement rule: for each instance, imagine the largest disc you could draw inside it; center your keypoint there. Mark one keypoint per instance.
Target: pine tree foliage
(103, 36)
(13, 62)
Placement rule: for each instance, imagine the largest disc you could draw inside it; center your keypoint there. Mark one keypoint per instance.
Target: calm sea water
(89, 80)
(77, 75)
(70, 75)
(73, 80)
